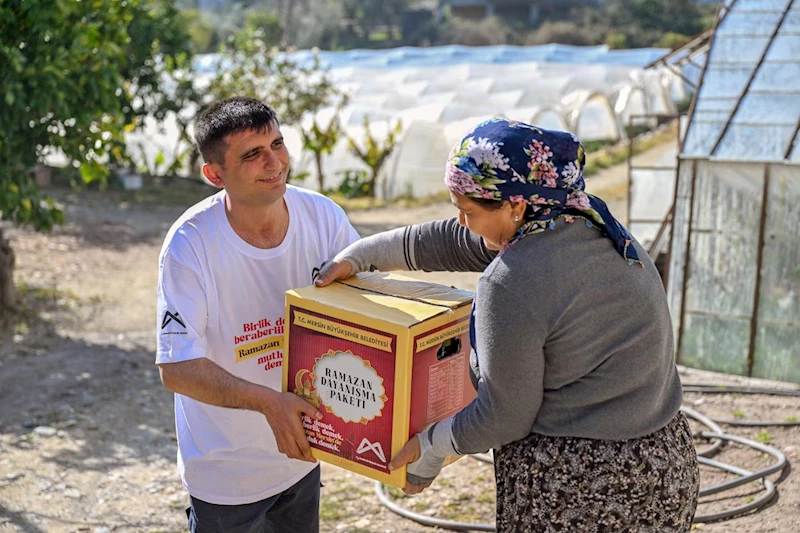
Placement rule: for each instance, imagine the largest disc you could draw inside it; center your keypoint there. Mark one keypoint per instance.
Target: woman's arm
(510, 347)
(441, 245)
(510, 337)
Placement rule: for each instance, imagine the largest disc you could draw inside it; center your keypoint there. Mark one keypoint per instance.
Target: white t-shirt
(221, 298)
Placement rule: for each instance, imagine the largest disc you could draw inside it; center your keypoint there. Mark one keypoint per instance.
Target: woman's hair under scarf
(507, 160)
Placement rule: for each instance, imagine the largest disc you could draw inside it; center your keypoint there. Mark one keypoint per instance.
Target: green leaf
(489, 183)
(83, 77)
(92, 171)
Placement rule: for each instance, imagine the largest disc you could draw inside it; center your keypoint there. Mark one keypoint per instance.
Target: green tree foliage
(322, 25)
(268, 23)
(375, 152)
(677, 16)
(564, 32)
(616, 40)
(370, 14)
(200, 30)
(321, 140)
(672, 40)
(487, 32)
(250, 66)
(645, 22)
(344, 24)
(74, 76)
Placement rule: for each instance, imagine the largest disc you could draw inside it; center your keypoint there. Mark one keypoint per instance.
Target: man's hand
(409, 454)
(333, 270)
(284, 412)
(205, 381)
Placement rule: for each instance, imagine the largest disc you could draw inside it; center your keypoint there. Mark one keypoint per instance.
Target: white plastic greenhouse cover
(451, 89)
(748, 106)
(441, 92)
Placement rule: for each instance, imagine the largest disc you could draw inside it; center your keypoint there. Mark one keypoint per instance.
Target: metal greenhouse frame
(734, 286)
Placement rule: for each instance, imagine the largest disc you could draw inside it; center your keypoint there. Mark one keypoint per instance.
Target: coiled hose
(714, 434)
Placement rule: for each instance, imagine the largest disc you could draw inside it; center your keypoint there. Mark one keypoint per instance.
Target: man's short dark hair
(226, 117)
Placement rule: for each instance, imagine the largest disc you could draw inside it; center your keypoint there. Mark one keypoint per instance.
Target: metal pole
(759, 264)
(630, 168)
(697, 40)
(792, 142)
(671, 214)
(717, 18)
(752, 76)
(686, 260)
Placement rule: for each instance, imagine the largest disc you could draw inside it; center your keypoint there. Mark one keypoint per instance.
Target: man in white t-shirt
(223, 270)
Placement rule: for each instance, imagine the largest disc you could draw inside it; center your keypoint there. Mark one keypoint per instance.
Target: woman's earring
(516, 219)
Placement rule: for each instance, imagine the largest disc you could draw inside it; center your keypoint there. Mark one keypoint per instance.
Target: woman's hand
(409, 454)
(333, 270)
(424, 455)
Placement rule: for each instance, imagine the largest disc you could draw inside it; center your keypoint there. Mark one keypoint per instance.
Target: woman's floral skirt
(567, 484)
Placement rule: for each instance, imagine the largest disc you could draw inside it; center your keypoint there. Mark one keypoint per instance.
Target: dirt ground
(86, 430)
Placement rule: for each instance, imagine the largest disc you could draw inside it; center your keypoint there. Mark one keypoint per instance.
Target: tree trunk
(288, 21)
(8, 292)
(372, 184)
(320, 176)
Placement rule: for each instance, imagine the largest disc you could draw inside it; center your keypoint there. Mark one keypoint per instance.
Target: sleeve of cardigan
(441, 245)
(510, 349)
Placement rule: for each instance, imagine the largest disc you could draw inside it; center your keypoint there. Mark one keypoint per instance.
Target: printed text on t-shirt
(257, 330)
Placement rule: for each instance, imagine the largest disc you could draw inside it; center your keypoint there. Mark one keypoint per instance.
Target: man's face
(255, 167)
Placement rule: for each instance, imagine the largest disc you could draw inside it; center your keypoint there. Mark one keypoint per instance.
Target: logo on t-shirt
(169, 317)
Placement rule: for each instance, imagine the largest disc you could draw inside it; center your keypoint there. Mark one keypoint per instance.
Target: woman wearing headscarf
(577, 390)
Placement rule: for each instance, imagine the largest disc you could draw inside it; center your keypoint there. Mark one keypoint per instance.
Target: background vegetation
(346, 24)
(77, 76)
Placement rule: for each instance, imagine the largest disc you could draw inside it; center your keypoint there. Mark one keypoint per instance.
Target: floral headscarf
(507, 160)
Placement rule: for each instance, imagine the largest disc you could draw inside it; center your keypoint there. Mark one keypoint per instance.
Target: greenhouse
(439, 93)
(734, 271)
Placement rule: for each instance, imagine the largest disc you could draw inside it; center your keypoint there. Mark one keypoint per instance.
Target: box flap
(388, 296)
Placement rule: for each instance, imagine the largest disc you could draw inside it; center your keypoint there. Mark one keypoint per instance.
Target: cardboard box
(384, 356)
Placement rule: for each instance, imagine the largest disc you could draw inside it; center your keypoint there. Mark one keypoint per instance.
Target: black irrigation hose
(716, 434)
(726, 389)
(723, 389)
(484, 457)
(710, 424)
(755, 423)
(756, 504)
(747, 478)
(426, 520)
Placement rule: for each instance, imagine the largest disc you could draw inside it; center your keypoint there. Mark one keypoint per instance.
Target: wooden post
(8, 292)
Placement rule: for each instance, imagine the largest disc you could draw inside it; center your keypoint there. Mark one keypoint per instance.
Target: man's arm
(207, 382)
(186, 370)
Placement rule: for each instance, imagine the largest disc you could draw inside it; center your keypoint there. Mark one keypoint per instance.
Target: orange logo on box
(304, 387)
